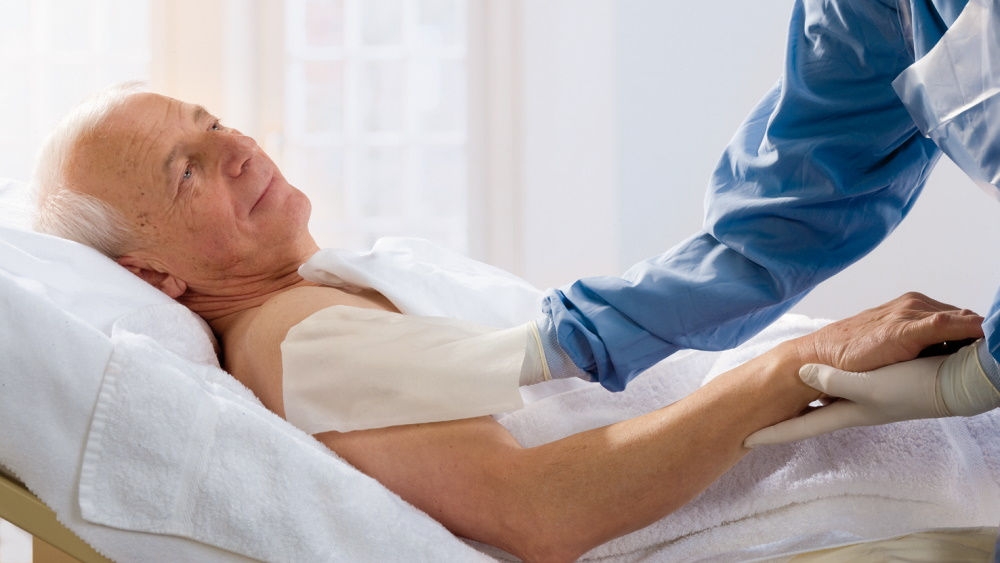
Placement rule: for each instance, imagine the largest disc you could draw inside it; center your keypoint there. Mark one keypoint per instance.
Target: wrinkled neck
(223, 301)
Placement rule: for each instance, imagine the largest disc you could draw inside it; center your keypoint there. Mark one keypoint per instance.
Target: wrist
(780, 369)
(763, 391)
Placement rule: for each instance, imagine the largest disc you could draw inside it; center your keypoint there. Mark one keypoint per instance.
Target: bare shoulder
(280, 313)
(253, 344)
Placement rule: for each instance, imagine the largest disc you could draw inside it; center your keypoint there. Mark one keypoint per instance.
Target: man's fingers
(949, 325)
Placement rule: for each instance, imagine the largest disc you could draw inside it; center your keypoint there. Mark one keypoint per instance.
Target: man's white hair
(65, 212)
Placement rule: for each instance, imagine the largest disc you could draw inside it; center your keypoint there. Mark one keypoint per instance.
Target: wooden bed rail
(52, 542)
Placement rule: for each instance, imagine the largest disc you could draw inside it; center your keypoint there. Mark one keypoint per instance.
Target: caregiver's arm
(821, 171)
(558, 500)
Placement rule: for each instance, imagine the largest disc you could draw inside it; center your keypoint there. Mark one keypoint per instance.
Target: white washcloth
(421, 278)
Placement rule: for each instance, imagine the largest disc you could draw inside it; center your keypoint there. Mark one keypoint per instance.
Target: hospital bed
(122, 439)
(52, 542)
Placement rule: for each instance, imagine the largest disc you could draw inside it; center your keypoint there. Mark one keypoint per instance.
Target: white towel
(48, 395)
(295, 502)
(849, 486)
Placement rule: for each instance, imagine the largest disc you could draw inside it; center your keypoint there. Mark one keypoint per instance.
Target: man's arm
(558, 500)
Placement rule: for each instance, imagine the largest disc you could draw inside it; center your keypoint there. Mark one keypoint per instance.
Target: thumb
(840, 414)
(834, 382)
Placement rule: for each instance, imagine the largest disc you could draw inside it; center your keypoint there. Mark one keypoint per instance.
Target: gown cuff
(559, 363)
(988, 363)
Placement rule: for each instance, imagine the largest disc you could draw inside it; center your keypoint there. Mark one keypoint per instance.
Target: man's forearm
(610, 481)
(558, 500)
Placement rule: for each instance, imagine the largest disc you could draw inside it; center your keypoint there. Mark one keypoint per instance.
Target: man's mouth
(263, 193)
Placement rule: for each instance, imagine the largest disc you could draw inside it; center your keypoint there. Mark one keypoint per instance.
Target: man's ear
(167, 283)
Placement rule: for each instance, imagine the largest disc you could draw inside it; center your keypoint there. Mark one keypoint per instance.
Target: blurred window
(375, 117)
(55, 53)
(363, 103)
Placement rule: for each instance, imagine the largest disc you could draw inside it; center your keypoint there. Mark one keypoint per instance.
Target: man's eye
(188, 172)
(216, 126)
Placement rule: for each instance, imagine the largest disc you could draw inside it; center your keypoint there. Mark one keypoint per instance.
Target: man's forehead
(147, 106)
(144, 126)
(134, 139)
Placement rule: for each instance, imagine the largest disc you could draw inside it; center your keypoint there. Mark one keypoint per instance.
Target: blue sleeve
(822, 170)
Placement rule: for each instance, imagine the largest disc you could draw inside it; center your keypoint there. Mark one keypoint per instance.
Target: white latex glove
(933, 387)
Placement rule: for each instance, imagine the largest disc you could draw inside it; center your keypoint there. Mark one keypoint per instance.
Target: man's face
(207, 203)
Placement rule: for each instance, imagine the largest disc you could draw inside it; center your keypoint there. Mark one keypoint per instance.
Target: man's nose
(237, 150)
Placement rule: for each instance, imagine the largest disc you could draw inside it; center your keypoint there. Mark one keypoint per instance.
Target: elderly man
(196, 209)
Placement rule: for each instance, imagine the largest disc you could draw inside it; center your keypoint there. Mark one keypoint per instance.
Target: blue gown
(823, 169)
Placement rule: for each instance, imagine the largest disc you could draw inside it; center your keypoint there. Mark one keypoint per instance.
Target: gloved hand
(933, 387)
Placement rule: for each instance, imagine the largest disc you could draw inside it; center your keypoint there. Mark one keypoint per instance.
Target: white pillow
(73, 277)
(15, 204)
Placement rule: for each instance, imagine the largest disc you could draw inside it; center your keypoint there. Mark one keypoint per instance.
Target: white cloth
(348, 368)
(49, 392)
(196, 481)
(421, 278)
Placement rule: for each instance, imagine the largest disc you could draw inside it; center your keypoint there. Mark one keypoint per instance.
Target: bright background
(554, 138)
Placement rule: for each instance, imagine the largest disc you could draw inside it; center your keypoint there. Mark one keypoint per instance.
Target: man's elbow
(535, 526)
(549, 543)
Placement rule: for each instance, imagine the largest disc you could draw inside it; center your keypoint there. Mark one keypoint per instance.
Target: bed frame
(52, 542)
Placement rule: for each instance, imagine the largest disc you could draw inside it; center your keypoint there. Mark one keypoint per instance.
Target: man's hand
(934, 387)
(848, 354)
(900, 391)
(888, 334)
